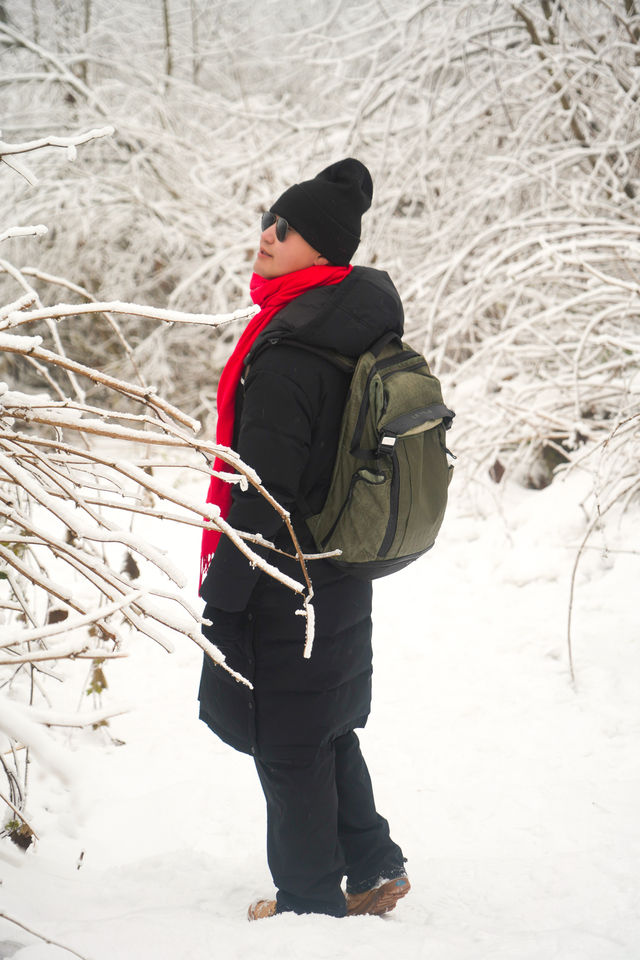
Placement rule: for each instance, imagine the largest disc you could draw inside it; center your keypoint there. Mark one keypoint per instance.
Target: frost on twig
(129, 309)
(37, 231)
(9, 151)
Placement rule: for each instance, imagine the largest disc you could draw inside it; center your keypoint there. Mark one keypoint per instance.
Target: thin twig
(41, 936)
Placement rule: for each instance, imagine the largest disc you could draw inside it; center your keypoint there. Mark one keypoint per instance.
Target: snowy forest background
(504, 143)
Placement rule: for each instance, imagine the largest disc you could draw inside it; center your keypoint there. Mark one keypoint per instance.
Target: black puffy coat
(287, 424)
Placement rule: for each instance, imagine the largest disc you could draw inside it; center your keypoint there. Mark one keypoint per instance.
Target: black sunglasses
(268, 219)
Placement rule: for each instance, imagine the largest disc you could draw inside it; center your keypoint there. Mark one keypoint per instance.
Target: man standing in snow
(283, 418)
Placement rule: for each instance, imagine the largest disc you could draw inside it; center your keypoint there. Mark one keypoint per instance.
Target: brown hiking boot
(378, 900)
(261, 909)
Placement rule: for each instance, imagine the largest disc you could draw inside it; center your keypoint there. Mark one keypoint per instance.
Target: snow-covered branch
(70, 548)
(37, 231)
(19, 317)
(9, 152)
(69, 143)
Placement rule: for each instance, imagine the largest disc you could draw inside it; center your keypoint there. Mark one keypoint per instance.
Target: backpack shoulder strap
(378, 345)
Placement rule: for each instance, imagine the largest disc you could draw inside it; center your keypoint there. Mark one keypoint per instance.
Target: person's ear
(320, 261)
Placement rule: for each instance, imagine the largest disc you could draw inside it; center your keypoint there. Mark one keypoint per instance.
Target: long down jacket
(287, 424)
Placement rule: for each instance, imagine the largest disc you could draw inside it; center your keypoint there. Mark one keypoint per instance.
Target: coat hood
(346, 317)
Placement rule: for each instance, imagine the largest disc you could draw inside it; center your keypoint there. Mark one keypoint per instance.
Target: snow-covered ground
(514, 795)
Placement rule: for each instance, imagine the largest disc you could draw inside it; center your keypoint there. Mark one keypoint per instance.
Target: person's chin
(262, 266)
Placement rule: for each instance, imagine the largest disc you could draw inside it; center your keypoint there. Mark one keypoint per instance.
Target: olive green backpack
(388, 490)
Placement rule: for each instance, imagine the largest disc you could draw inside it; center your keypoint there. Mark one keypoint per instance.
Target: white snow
(514, 795)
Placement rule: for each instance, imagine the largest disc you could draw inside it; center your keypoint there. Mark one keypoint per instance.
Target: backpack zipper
(364, 406)
(394, 503)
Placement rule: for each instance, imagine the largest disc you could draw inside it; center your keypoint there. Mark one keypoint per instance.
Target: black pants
(322, 824)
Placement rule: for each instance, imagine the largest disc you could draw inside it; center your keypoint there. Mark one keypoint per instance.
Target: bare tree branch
(41, 936)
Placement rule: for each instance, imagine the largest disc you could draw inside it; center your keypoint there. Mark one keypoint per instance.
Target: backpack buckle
(387, 444)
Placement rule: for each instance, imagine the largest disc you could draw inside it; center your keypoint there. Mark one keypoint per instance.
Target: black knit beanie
(326, 211)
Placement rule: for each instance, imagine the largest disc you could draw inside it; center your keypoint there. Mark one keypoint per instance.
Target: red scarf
(271, 296)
